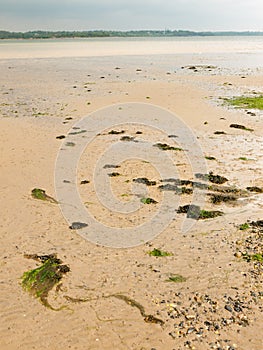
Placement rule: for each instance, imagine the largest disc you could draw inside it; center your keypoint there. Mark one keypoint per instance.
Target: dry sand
(37, 95)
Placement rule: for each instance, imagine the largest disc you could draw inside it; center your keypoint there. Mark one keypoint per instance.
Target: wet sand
(219, 305)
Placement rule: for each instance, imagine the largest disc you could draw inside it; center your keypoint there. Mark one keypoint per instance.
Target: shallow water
(247, 51)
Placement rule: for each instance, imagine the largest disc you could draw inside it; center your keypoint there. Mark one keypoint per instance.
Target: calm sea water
(241, 51)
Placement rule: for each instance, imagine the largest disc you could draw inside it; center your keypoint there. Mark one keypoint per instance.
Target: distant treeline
(39, 34)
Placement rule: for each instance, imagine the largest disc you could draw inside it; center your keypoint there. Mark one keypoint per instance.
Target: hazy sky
(23, 15)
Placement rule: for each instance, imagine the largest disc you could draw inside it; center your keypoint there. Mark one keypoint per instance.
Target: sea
(248, 48)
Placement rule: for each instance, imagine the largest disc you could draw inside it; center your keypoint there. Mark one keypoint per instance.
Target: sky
(198, 15)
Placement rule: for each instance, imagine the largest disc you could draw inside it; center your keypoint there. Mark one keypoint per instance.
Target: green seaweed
(148, 200)
(134, 303)
(194, 212)
(248, 102)
(208, 214)
(176, 279)
(244, 226)
(159, 253)
(39, 281)
(254, 257)
(38, 193)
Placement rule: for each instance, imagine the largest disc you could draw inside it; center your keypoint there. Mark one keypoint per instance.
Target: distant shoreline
(39, 34)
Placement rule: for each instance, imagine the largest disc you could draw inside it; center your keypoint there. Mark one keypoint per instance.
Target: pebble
(228, 308)
(238, 254)
(190, 317)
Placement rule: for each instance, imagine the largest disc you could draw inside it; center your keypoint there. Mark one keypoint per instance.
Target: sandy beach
(126, 298)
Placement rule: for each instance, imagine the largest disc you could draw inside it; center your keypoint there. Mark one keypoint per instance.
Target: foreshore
(207, 292)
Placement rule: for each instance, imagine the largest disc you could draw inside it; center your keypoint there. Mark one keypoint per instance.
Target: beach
(206, 293)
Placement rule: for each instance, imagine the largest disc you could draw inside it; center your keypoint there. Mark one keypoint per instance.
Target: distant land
(39, 34)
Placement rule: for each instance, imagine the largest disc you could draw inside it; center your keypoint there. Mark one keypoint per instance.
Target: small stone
(228, 308)
(190, 317)
(238, 254)
(190, 330)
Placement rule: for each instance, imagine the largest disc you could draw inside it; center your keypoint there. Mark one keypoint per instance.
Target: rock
(78, 225)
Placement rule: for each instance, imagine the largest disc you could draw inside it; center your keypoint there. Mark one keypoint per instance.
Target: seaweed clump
(39, 282)
(148, 200)
(244, 226)
(219, 198)
(194, 212)
(238, 126)
(145, 181)
(216, 179)
(114, 174)
(147, 318)
(128, 138)
(219, 133)
(115, 132)
(38, 193)
(159, 253)
(165, 147)
(176, 278)
(253, 102)
(255, 189)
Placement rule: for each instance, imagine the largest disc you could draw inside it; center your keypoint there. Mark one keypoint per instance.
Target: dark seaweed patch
(219, 133)
(238, 126)
(145, 181)
(115, 132)
(217, 179)
(219, 198)
(128, 139)
(165, 147)
(255, 189)
(114, 174)
(194, 212)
